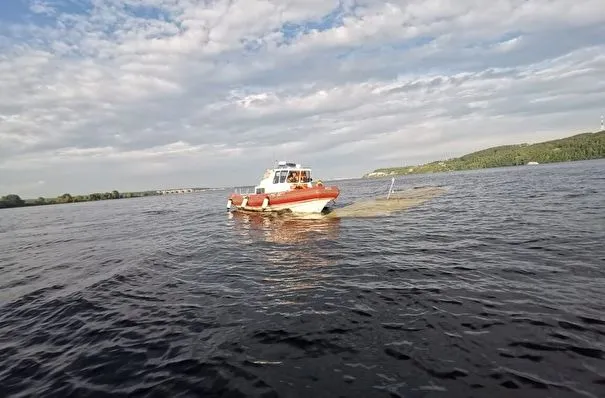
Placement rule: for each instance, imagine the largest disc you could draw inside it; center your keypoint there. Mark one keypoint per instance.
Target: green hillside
(578, 147)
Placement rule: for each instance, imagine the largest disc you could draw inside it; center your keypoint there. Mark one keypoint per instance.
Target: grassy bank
(578, 147)
(14, 200)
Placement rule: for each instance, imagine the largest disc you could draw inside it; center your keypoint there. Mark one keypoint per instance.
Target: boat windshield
(291, 176)
(295, 176)
(280, 176)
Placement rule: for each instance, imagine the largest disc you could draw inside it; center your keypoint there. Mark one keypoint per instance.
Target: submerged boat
(287, 187)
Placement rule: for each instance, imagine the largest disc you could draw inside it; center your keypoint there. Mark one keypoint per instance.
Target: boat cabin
(282, 178)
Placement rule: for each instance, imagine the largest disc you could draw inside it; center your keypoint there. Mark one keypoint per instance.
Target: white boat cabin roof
(287, 165)
(284, 174)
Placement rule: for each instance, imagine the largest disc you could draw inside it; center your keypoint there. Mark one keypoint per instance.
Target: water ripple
(494, 288)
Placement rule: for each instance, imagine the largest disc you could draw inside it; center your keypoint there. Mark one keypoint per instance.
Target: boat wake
(383, 206)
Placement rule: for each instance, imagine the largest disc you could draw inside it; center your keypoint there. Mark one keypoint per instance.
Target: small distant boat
(287, 187)
(532, 163)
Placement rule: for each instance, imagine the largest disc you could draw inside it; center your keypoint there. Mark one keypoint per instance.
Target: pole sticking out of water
(391, 187)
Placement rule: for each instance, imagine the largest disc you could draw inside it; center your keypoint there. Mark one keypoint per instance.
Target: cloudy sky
(98, 95)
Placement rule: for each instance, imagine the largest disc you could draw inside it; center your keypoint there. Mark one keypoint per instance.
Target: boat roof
(288, 165)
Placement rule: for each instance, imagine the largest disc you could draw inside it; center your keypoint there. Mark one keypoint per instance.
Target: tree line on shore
(13, 200)
(578, 147)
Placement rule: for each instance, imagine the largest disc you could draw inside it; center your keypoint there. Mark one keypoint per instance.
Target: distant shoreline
(14, 201)
(586, 146)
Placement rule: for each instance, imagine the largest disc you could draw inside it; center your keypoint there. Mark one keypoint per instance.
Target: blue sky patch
(329, 21)
(148, 12)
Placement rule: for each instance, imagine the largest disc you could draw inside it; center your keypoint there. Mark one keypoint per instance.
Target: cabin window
(293, 176)
(280, 176)
(296, 176)
(260, 190)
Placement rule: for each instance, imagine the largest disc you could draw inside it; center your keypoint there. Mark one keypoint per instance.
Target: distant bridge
(179, 191)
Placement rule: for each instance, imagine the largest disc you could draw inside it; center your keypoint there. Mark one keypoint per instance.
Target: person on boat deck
(293, 177)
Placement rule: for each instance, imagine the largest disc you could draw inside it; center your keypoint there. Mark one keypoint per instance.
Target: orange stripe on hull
(284, 198)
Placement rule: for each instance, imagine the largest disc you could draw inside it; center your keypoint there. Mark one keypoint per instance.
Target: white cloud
(143, 94)
(41, 7)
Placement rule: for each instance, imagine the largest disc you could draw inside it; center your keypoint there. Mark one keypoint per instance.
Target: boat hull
(307, 200)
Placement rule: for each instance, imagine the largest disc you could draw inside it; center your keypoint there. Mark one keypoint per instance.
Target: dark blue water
(495, 288)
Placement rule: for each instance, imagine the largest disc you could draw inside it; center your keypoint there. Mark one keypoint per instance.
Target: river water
(495, 288)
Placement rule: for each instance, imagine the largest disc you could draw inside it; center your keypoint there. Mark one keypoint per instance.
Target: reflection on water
(294, 250)
(284, 228)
